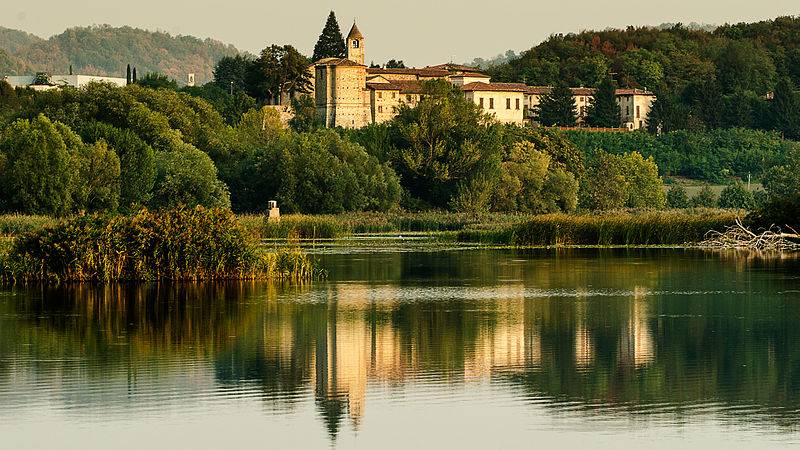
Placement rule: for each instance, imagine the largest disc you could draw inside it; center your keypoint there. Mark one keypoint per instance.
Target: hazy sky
(420, 32)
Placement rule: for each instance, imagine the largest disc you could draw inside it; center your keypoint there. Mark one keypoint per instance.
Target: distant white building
(40, 82)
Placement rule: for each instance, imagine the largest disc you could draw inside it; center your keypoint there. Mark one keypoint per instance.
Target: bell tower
(355, 45)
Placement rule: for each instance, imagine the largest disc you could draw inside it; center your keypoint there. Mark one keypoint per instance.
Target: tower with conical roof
(355, 45)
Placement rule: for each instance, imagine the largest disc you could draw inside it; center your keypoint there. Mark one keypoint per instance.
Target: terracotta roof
(408, 87)
(470, 75)
(629, 91)
(355, 33)
(494, 87)
(433, 73)
(538, 90)
(337, 62)
(382, 86)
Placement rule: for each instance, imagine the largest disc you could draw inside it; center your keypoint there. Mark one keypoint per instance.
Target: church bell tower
(355, 45)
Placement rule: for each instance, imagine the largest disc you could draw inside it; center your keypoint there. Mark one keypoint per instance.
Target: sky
(419, 32)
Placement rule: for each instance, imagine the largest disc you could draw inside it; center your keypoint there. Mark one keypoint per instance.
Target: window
(394, 94)
(380, 94)
(408, 98)
(380, 109)
(638, 112)
(627, 110)
(517, 104)
(356, 44)
(508, 103)
(491, 103)
(480, 102)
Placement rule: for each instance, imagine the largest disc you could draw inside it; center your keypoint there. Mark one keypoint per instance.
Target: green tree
(155, 80)
(705, 198)
(231, 72)
(39, 172)
(394, 64)
(643, 68)
(187, 177)
(98, 178)
(736, 196)
(677, 197)
(330, 43)
(557, 108)
(305, 114)
(604, 187)
(279, 70)
(785, 109)
(443, 143)
(604, 110)
(643, 182)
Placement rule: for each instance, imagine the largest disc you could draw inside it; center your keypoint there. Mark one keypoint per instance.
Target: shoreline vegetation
(182, 244)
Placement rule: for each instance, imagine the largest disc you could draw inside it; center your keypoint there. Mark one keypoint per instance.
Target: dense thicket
(704, 79)
(106, 50)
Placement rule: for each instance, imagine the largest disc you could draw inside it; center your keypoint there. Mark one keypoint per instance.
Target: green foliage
(232, 72)
(529, 184)
(98, 182)
(705, 198)
(278, 70)
(305, 114)
(712, 156)
(652, 228)
(230, 107)
(736, 196)
(304, 227)
(604, 111)
(180, 244)
(330, 43)
(557, 108)
(619, 181)
(40, 171)
(156, 80)
(677, 197)
(17, 224)
(443, 144)
(785, 109)
(187, 177)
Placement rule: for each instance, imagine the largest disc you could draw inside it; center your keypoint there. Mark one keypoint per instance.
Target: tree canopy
(330, 43)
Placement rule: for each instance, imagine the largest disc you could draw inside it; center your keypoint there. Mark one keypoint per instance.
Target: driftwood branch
(739, 237)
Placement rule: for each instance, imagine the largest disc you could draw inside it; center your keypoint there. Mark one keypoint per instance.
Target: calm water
(450, 349)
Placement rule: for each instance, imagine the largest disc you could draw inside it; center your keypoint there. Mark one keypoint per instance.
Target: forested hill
(106, 50)
(743, 57)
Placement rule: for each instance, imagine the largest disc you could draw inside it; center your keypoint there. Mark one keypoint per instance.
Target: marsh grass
(17, 224)
(182, 244)
(608, 229)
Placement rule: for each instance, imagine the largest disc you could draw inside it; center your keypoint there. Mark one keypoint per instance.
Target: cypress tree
(603, 110)
(330, 43)
(557, 108)
(133, 80)
(128, 76)
(785, 109)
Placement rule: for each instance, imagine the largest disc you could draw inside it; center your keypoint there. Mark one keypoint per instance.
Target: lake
(416, 348)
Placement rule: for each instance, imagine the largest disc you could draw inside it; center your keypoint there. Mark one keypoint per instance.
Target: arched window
(355, 43)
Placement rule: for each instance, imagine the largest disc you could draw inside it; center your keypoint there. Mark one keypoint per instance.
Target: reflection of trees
(591, 328)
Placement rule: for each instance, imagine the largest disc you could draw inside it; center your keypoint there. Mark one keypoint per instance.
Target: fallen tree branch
(739, 237)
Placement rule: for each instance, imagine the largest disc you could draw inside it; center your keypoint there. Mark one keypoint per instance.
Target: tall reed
(180, 244)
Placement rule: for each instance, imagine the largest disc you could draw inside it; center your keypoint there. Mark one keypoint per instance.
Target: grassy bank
(16, 224)
(623, 228)
(182, 244)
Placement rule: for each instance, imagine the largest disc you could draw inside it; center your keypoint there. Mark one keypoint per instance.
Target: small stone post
(274, 212)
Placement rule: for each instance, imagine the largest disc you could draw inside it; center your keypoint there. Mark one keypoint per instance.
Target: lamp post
(231, 87)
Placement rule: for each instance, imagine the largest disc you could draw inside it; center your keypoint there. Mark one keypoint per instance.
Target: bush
(677, 197)
(180, 244)
(705, 198)
(736, 196)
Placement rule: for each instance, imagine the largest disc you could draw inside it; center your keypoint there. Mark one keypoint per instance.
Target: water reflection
(670, 335)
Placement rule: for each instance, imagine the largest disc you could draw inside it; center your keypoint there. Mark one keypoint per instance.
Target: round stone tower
(355, 45)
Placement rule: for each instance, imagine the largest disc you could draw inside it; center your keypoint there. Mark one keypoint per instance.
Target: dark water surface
(449, 349)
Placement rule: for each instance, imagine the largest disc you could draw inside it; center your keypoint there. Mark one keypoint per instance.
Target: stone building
(349, 94)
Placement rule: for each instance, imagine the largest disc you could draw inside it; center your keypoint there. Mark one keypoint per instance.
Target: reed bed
(17, 224)
(183, 244)
(617, 229)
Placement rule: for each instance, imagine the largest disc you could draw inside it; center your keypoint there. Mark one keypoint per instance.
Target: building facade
(349, 94)
(44, 82)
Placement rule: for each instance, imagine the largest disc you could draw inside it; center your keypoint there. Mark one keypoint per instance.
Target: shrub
(677, 197)
(705, 198)
(736, 196)
(180, 244)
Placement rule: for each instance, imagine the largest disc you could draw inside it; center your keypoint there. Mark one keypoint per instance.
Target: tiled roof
(432, 73)
(456, 68)
(470, 75)
(409, 87)
(583, 91)
(355, 33)
(336, 62)
(382, 86)
(629, 91)
(494, 87)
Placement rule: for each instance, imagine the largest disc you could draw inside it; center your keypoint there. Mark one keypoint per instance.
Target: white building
(54, 81)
